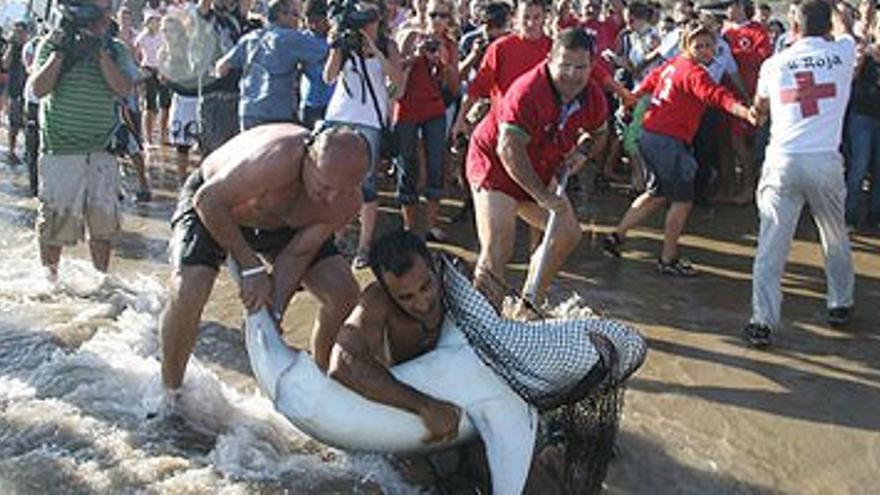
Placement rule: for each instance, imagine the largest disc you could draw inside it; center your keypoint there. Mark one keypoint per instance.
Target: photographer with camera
(363, 63)
(431, 69)
(13, 63)
(80, 71)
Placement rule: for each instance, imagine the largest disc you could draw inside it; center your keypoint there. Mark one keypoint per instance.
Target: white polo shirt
(808, 85)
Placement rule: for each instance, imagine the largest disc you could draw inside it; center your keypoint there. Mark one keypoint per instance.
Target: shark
(458, 370)
(335, 415)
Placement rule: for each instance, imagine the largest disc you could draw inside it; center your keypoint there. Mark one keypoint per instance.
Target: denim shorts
(670, 169)
(373, 136)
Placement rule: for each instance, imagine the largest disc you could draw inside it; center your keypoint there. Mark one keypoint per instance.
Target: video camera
(66, 22)
(349, 18)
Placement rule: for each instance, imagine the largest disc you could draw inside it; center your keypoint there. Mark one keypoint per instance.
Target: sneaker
(757, 335)
(676, 268)
(361, 260)
(611, 244)
(839, 316)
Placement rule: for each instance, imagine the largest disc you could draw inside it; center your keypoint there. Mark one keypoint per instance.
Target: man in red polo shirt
(507, 58)
(539, 127)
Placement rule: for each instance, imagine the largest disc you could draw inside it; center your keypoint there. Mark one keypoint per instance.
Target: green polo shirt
(79, 115)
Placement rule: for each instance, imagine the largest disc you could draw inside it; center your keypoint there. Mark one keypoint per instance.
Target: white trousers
(787, 180)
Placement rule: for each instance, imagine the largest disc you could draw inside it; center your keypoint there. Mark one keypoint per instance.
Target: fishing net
(571, 369)
(550, 362)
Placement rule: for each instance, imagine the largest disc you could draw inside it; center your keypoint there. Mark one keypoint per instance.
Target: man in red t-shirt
(506, 59)
(538, 128)
(750, 45)
(603, 28)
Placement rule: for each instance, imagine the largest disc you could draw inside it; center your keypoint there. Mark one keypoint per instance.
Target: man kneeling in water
(398, 318)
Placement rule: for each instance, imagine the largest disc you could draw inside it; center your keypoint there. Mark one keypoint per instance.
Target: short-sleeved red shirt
(750, 46)
(680, 91)
(605, 38)
(505, 60)
(533, 104)
(422, 99)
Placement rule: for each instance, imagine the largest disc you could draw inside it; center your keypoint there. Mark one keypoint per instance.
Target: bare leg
(640, 209)
(743, 148)
(100, 251)
(189, 288)
(432, 207)
(675, 220)
(149, 116)
(410, 215)
(163, 126)
(333, 284)
(369, 211)
(141, 169)
(13, 138)
(50, 256)
(564, 239)
(495, 215)
(182, 158)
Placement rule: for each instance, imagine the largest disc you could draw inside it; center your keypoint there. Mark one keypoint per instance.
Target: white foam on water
(78, 363)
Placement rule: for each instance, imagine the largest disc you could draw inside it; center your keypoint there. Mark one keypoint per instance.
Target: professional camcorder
(349, 18)
(67, 22)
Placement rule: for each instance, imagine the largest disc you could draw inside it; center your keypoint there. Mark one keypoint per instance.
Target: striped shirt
(78, 115)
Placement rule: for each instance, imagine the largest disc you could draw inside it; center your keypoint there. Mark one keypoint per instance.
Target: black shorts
(193, 245)
(670, 169)
(156, 94)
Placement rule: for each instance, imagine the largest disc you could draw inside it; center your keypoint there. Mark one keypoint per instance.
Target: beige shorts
(78, 191)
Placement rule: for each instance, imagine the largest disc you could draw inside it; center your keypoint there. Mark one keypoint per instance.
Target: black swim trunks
(192, 244)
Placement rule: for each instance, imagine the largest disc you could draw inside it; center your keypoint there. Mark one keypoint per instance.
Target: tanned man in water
(272, 194)
(398, 318)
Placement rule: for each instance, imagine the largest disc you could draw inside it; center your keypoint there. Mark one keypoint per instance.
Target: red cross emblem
(807, 93)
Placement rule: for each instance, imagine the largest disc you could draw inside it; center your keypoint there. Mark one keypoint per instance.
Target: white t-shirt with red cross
(808, 85)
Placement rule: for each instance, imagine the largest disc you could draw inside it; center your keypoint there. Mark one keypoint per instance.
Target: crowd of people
(445, 93)
(297, 109)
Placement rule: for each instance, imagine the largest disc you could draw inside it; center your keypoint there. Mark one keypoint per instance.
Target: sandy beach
(705, 415)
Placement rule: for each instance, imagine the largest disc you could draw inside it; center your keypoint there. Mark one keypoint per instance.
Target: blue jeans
(862, 158)
(434, 134)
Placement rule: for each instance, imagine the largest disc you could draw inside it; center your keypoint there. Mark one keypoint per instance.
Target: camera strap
(383, 123)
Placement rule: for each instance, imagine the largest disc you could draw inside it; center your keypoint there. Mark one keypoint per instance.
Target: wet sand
(705, 414)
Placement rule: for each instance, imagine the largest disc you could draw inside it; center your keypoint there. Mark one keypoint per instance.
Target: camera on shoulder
(68, 22)
(349, 17)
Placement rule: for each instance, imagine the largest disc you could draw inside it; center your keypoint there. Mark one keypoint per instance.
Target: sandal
(361, 260)
(676, 268)
(611, 244)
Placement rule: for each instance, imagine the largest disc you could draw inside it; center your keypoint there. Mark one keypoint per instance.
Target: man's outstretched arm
(356, 363)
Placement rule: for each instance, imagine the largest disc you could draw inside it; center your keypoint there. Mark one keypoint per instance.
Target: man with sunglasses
(79, 72)
(551, 118)
(270, 60)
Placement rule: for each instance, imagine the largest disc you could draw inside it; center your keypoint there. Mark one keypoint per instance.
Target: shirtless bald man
(271, 193)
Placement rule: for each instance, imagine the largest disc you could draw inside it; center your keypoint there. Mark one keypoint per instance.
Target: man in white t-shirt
(806, 89)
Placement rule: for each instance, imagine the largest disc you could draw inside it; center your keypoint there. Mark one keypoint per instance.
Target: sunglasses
(439, 15)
